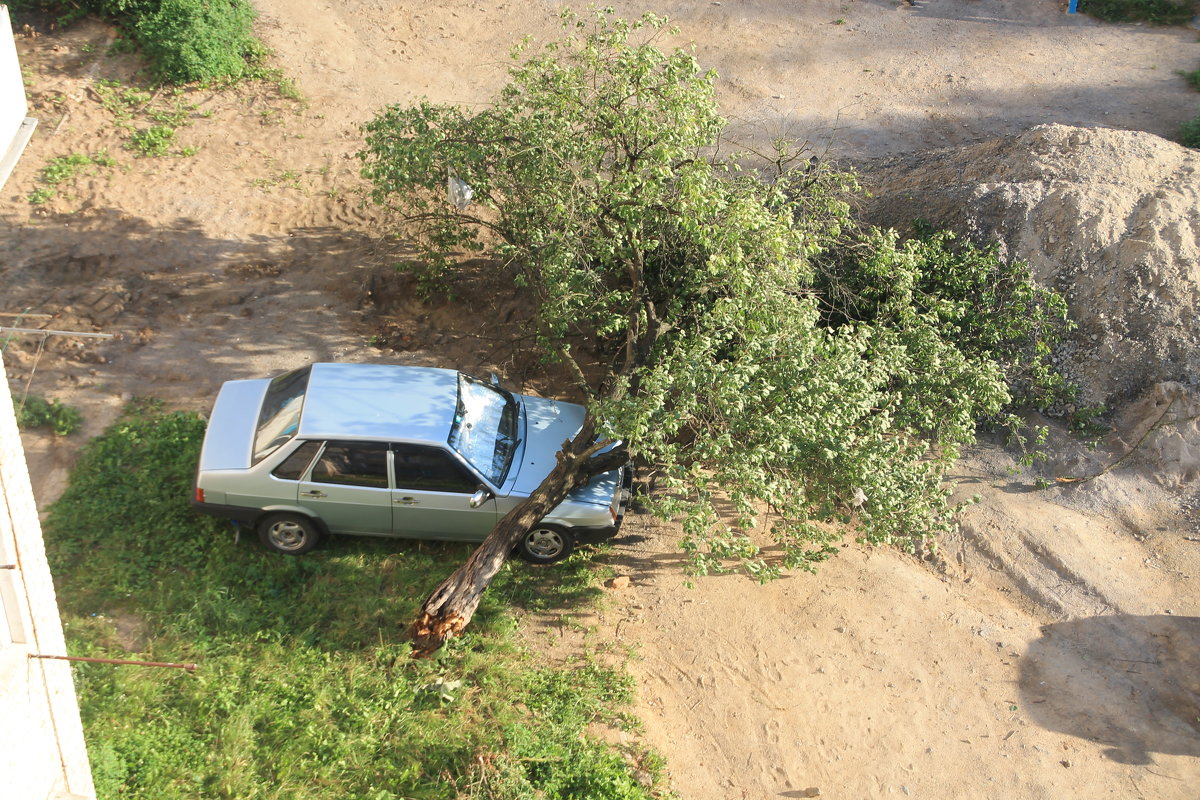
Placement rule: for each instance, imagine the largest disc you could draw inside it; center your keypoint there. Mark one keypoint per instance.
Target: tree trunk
(448, 610)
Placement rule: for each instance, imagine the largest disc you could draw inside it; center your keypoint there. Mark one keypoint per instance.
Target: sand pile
(1109, 218)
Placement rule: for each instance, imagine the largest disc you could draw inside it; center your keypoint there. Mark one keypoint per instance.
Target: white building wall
(42, 752)
(15, 127)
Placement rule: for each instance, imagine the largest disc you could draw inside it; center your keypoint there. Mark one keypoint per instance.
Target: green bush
(1159, 12)
(1189, 132)
(184, 40)
(189, 40)
(38, 412)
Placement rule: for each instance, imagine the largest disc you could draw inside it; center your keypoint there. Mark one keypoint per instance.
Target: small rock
(1065, 763)
(619, 582)
(811, 791)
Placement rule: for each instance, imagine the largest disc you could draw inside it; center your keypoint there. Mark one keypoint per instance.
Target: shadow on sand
(1129, 682)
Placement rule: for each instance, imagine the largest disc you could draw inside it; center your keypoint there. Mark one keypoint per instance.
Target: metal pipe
(121, 661)
(48, 332)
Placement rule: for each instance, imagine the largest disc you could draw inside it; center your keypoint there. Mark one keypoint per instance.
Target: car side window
(292, 467)
(431, 469)
(353, 464)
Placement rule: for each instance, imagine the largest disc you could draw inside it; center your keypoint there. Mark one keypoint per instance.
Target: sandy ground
(1051, 652)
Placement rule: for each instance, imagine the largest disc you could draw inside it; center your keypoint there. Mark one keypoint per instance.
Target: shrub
(189, 40)
(38, 412)
(184, 40)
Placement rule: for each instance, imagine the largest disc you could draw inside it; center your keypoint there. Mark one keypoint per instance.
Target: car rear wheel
(545, 544)
(291, 534)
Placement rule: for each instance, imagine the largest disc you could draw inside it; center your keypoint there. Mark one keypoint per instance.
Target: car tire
(290, 534)
(546, 544)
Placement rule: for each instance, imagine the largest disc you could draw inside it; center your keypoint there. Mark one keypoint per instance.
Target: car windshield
(485, 428)
(279, 417)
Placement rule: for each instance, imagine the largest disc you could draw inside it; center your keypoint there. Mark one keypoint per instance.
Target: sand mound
(1109, 218)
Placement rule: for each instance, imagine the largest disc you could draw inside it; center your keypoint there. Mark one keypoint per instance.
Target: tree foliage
(776, 367)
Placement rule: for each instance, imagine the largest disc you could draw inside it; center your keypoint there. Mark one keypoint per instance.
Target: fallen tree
(731, 328)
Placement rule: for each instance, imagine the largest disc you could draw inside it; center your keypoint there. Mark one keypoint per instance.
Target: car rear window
(279, 418)
(292, 468)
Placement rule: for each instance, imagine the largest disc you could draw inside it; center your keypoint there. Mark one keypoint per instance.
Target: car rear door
(432, 498)
(347, 487)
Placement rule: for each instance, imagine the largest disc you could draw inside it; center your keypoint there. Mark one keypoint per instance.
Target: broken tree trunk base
(448, 610)
(429, 633)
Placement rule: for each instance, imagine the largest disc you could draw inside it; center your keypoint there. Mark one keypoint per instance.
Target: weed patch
(154, 141)
(305, 687)
(63, 169)
(130, 105)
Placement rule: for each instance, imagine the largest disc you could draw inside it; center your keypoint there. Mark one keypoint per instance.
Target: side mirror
(495, 380)
(481, 496)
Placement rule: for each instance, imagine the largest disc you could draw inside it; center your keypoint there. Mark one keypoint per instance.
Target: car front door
(432, 498)
(347, 487)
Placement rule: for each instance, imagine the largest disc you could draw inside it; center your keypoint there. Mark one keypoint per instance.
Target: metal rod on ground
(120, 661)
(47, 332)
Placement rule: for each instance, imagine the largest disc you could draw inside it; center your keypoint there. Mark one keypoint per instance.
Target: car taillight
(199, 495)
(612, 514)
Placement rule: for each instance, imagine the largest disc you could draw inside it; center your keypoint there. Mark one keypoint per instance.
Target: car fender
(286, 509)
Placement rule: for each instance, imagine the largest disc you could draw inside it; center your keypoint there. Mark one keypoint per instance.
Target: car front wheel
(545, 544)
(291, 534)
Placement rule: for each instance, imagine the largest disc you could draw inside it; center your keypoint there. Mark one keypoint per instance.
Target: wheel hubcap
(287, 535)
(544, 543)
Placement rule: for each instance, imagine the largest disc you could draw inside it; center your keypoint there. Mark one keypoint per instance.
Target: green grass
(1158, 12)
(1189, 132)
(305, 687)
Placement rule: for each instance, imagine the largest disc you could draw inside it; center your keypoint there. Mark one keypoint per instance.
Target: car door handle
(313, 493)
(405, 501)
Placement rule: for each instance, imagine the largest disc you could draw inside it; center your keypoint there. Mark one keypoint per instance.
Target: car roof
(379, 401)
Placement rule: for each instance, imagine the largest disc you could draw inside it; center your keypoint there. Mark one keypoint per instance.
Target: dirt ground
(1051, 651)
